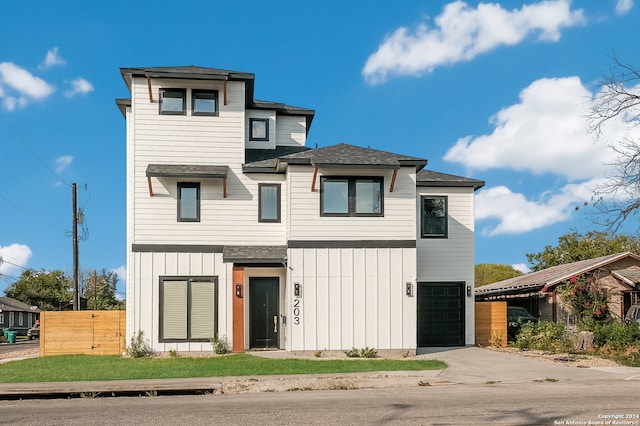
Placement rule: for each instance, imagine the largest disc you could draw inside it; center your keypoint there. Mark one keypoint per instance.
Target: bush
(544, 336)
(139, 347)
(220, 345)
(366, 352)
(617, 335)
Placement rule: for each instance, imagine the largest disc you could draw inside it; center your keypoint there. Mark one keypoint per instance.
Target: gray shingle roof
(187, 170)
(254, 254)
(341, 155)
(536, 281)
(431, 178)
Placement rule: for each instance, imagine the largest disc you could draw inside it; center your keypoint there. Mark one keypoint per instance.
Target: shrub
(220, 345)
(139, 347)
(366, 352)
(617, 335)
(544, 336)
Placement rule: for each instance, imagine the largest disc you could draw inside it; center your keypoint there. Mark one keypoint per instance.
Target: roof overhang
(255, 254)
(189, 171)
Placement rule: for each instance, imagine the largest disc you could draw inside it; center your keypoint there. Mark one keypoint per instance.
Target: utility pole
(76, 298)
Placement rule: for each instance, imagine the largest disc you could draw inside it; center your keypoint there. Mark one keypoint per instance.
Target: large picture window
(188, 202)
(434, 217)
(269, 202)
(351, 196)
(188, 308)
(173, 101)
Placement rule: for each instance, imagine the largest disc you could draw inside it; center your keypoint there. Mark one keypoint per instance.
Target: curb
(218, 385)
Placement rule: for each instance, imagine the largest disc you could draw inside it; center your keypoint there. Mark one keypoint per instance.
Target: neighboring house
(618, 274)
(236, 229)
(17, 315)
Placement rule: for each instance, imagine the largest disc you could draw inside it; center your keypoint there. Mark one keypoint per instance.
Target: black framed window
(188, 202)
(173, 101)
(351, 196)
(258, 129)
(434, 215)
(204, 102)
(269, 202)
(188, 308)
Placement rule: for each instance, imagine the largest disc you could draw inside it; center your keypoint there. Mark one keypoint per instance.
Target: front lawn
(90, 367)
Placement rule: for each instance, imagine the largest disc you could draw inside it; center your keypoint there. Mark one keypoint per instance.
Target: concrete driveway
(477, 365)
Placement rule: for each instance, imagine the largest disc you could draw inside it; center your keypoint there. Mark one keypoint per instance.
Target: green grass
(87, 368)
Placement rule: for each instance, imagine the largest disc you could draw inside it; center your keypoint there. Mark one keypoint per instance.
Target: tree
(49, 291)
(488, 273)
(99, 289)
(618, 198)
(574, 247)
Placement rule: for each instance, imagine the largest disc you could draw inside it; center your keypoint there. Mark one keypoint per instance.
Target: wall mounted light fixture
(409, 288)
(468, 291)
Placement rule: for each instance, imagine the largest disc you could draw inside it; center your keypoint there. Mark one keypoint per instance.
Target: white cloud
(546, 132)
(23, 81)
(515, 214)
(624, 6)
(10, 103)
(79, 86)
(14, 257)
(52, 59)
(462, 32)
(521, 267)
(63, 162)
(122, 281)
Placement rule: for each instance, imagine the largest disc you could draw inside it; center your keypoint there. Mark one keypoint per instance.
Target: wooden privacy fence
(82, 332)
(491, 323)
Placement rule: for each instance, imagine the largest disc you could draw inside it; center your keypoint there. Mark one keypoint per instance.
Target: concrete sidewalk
(468, 365)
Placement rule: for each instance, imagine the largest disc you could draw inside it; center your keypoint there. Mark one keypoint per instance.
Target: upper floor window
(173, 101)
(188, 202)
(258, 129)
(351, 196)
(434, 217)
(269, 202)
(204, 102)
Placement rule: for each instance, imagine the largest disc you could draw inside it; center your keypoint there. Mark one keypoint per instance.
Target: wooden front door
(264, 324)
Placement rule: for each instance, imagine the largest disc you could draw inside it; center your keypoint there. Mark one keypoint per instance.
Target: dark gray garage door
(440, 314)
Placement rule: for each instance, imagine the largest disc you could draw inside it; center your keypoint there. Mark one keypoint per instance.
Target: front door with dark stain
(263, 312)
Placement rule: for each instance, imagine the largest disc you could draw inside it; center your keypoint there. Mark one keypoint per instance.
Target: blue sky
(494, 91)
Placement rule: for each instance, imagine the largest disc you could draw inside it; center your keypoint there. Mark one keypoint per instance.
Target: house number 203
(296, 311)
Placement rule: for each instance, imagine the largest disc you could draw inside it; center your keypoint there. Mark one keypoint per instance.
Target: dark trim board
(175, 248)
(351, 244)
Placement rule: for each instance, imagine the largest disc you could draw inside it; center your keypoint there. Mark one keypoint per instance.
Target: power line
(23, 211)
(28, 147)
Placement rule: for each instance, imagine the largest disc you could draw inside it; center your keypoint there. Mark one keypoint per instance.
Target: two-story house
(236, 229)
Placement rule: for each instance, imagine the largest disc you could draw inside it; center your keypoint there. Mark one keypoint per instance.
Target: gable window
(258, 129)
(269, 202)
(204, 102)
(173, 101)
(188, 202)
(351, 196)
(188, 308)
(434, 217)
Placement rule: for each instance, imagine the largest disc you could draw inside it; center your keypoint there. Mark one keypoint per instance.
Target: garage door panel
(440, 314)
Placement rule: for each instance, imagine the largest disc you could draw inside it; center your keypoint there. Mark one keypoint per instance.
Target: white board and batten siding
(351, 297)
(450, 259)
(145, 295)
